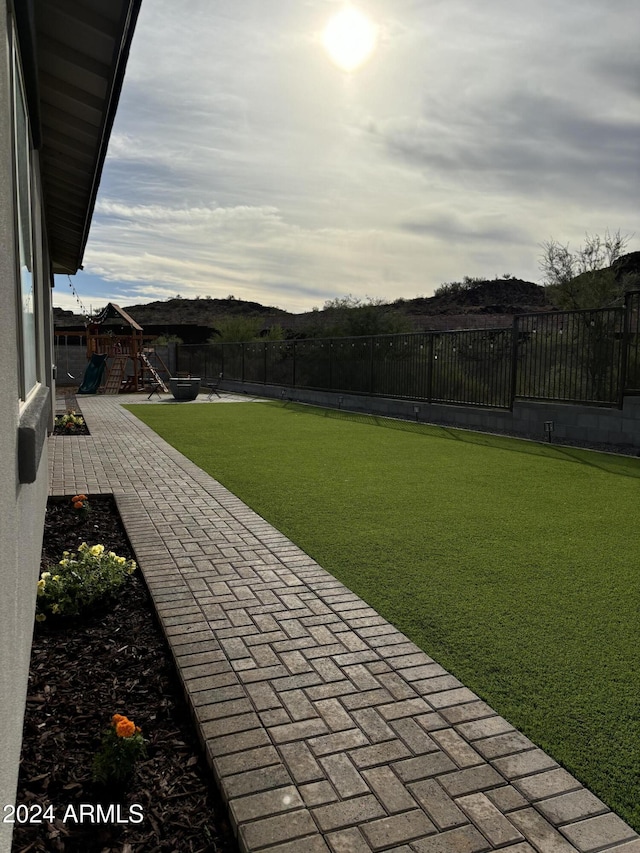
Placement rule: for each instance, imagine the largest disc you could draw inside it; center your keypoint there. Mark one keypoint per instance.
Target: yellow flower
(41, 586)
(83, 547)
(55, 608)
(45, 576)
(120, 561)
(40, 617)
(96, 550)
(55, 578)
(64, 562)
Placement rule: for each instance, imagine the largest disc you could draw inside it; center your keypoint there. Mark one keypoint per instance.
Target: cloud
(243, 161)
(456, 229)
(526, 143)
(245, 250)
(149, 216)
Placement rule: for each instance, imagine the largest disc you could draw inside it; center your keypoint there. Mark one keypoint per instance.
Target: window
(26, 292)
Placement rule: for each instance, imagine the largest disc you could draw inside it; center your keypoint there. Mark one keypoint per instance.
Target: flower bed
(70, 423)
(85, 670)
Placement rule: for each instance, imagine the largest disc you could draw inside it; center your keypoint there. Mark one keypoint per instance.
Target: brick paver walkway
(327, 730)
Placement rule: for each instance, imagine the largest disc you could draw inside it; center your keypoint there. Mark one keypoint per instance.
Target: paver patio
(327, 730)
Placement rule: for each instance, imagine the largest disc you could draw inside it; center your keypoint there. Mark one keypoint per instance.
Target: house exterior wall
(22, 503)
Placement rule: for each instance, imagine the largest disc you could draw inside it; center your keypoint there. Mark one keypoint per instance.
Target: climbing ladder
(116, 373)
(157, 379)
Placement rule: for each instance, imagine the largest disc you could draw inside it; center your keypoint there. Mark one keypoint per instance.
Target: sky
(244, 161)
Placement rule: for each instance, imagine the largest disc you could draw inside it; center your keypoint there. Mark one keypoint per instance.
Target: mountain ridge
(473, 303)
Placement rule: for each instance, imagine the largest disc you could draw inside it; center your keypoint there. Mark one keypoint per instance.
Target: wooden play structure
(132, 365)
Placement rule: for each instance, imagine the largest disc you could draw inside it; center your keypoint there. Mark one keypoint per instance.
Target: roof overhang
(81, 52)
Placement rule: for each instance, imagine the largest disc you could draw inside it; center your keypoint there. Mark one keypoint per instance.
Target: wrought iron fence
(573, 356)
(590, 357)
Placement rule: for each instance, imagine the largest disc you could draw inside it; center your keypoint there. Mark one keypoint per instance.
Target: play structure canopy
(114, 315)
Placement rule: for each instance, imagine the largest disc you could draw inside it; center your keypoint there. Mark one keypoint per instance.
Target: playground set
(120, 357)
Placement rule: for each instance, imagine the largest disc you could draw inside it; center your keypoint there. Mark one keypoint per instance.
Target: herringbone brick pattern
(327, 730)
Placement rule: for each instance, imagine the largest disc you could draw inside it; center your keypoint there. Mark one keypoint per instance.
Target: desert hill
(473, 303)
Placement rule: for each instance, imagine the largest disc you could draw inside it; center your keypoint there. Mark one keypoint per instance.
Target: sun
(350, 38)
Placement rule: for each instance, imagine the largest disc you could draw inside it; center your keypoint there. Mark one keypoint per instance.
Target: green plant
(122, 745)
(70, 421)
(350, 316)
(81, 581)
(586, 277)
(237, 328)
(468, 284)
(163, 340)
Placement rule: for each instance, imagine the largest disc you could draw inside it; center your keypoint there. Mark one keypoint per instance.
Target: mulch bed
(66, 401)
(79, 429)
(82, 673)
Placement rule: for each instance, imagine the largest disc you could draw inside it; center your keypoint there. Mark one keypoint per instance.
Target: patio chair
(155, 389)
(213, 387)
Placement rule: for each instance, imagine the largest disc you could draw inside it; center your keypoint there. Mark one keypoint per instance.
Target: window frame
(28, 348)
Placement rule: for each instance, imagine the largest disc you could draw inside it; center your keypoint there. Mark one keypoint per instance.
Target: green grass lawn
(515, 565)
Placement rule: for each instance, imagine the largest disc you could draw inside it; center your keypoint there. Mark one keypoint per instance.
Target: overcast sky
(244, 161)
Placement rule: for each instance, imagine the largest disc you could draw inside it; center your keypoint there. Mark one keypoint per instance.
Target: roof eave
(79, 91)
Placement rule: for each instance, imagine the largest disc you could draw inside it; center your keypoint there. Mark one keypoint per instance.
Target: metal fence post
(331, 363)
(294, 364)
(429, 366)
(371, 368)
(624, 354)
(514, 361)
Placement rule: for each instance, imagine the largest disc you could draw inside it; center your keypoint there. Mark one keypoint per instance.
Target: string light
(83, 310)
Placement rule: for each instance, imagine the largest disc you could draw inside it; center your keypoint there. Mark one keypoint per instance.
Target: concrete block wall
(613, 428)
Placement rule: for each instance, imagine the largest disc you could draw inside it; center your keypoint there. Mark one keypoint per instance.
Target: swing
(66, 351)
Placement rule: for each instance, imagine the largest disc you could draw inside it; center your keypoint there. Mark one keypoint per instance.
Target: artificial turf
(513, 564)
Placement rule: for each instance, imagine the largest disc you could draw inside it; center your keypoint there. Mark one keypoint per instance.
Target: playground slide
(93, 374)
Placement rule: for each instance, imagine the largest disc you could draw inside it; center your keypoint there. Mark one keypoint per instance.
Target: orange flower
(125, 728)
(116, 718)
(78, 498)
(78, 505)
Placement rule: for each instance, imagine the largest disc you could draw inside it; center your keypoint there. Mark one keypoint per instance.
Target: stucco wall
(22, 506)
